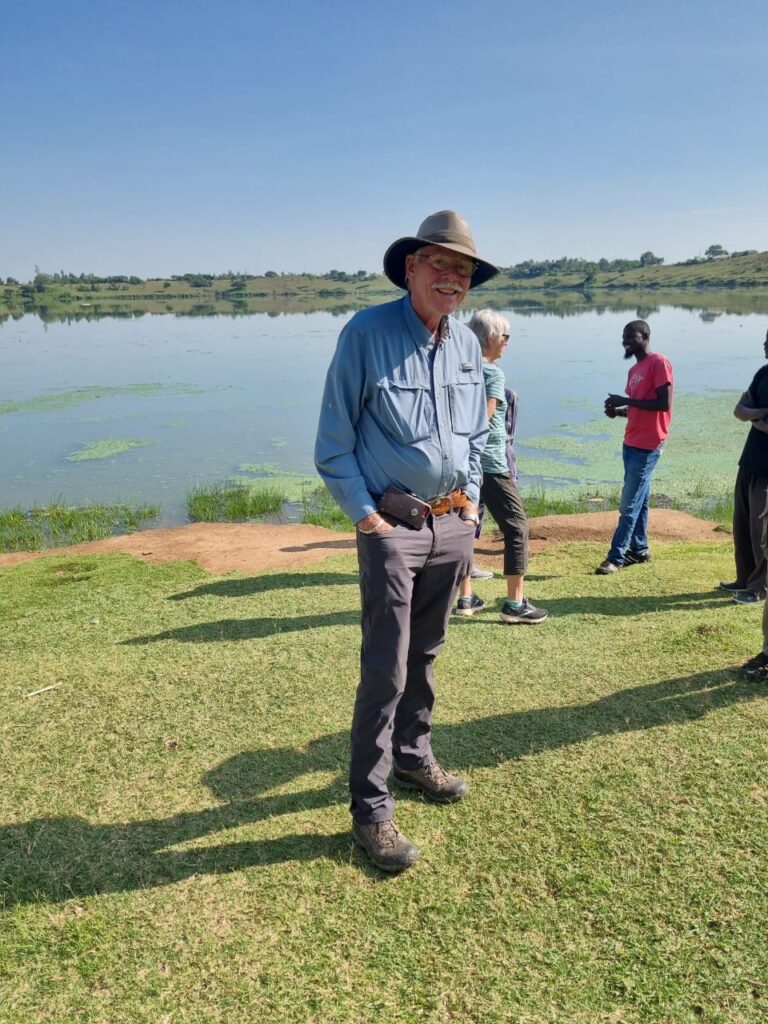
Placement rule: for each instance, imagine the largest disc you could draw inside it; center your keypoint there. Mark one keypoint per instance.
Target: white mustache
(445, 285)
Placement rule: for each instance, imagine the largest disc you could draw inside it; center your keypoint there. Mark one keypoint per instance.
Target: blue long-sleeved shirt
(399, 410)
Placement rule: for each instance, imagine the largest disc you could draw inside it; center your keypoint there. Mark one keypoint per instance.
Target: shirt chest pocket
(404, 410)
(465, 397)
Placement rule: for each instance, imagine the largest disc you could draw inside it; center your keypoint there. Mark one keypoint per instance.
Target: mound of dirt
(250, 547)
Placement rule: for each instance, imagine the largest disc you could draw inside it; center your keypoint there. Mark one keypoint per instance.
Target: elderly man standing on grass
(648, 409)
(402, 428)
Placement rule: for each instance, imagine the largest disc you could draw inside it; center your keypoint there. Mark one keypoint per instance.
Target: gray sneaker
(476, 573)
(385, 844)
(433, 781)
(607, 568)
(749, 597)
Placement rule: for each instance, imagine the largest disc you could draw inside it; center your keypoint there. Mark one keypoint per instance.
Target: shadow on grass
(52, 859)
(560, 607)
(254, 629)
(248, 629)
(325, 545)
(263, 584)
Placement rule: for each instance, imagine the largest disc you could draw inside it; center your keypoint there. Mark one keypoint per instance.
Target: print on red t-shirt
(648, 429)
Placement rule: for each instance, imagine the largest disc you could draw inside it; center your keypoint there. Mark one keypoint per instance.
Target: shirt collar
(419, 331)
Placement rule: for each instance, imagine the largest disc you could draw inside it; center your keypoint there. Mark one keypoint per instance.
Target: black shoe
(749, 597)
(755, 668)
(468, 605)
(385, 844)
(525, 613)
(731, 588)
(607, 568)
(433, 781)
(637, 557)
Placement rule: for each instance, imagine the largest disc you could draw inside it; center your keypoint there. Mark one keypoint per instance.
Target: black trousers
(408, 579)
(500, 495)
(749, 498)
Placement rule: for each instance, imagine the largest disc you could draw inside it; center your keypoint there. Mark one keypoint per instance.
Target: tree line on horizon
(518, 271)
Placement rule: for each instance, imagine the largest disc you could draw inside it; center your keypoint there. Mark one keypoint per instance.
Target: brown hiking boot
(433, 781)
(385, 844)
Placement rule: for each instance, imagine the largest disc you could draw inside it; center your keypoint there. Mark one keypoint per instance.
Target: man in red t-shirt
(648, 409)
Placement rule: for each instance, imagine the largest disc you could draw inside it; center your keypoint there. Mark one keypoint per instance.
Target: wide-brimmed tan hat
(446, 229)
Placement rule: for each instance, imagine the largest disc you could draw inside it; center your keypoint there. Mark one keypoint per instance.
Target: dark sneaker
(755, 668)
(748, 597)
(468, 605)
(606, 568)
(433, 781)
(385, 844)
(476, 573)
(637, 557)
(731, 588)
(526, 613)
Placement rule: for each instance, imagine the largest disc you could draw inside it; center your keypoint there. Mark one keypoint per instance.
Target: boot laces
(436, 772)
(387, 833)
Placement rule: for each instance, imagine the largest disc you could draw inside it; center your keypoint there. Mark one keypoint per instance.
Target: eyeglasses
(504, 337)
(464, 267)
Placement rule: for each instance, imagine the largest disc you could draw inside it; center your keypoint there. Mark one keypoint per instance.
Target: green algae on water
(66, 399)
(108, 447)
(261, 468)
(704, 433)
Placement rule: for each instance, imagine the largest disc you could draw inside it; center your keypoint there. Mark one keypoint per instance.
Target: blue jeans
(632, 532)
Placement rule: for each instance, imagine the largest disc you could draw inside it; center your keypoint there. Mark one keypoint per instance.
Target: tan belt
(439, 506)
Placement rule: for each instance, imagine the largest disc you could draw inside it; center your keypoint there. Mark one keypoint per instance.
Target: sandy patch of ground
(250, 547)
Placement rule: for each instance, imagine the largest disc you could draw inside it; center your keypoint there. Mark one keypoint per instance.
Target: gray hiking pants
(408, 580)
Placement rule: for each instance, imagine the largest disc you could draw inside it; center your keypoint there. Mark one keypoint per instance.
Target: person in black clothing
(749, 499)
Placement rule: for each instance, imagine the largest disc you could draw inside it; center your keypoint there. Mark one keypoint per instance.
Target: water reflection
(710, 303)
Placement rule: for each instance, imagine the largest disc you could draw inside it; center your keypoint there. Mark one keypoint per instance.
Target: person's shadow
(57, 858)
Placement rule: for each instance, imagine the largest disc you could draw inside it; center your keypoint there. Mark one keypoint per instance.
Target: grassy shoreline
(58, 525)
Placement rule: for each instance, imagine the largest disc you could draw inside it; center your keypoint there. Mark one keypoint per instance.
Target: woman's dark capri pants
(501, 497)
(505, 504)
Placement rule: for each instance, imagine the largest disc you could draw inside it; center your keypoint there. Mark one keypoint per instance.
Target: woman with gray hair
(499, 491)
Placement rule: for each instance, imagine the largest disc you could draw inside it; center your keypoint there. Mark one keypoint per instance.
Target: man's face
(634, 343)
(435, 293)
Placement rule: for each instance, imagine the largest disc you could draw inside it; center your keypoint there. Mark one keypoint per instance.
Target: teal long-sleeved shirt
(398, 410)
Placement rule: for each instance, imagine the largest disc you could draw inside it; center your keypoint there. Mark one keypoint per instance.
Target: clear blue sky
(164, 137)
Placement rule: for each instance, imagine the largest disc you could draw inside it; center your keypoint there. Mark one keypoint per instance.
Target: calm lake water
(213, 394)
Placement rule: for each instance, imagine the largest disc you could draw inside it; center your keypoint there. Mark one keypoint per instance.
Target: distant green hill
(67, 296)
(748, 270)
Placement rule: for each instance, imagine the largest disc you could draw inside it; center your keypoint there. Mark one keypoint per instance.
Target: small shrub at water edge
(319, 508)
(222, 503)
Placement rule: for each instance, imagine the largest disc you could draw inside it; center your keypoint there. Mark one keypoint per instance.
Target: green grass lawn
(174, 841)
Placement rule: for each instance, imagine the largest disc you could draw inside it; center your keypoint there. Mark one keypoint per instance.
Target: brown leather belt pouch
(407, 508)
